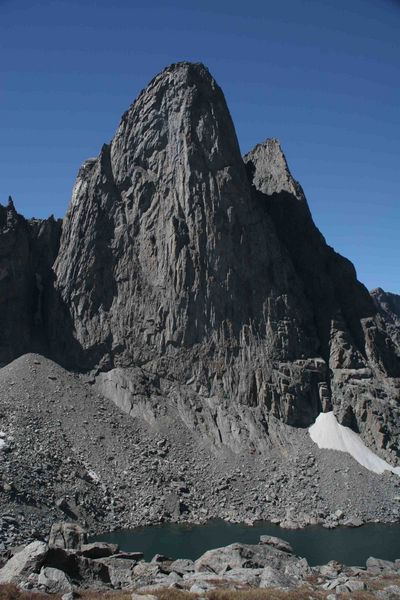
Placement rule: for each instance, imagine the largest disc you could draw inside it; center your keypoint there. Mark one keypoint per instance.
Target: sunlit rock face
(191, 276)
(168, 260)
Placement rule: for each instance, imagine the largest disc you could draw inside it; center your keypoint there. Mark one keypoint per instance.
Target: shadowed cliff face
(27, 252)
(349, 330)
(353, 337)
(181, 262)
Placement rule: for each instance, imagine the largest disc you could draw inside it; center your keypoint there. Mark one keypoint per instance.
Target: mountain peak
(269, 170)
(171, 260)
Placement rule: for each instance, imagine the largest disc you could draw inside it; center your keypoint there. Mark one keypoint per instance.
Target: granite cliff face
(388, 306)
(192, 280)
(167, 262)
(27, 252)
(354, 339)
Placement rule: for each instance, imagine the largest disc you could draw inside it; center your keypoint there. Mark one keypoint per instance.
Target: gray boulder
(27, 561)
(242, 556)
(248, 577)
(69, 536)
(54, 581)
(98, 550)
(356, 585)
(81, 570)
(160, 558)
(182, 566)
(146, 573)
(120, 571)
(276, 542)
(377, 566)
(271, 577)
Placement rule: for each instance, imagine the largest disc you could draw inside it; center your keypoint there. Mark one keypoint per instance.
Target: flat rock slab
(98, 550)
(276, 542)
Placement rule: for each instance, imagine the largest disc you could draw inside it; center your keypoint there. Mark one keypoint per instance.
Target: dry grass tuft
(174, 594)
(12, 592)
(301, 593)
(9, 591)
(161, 594)
(111, 595)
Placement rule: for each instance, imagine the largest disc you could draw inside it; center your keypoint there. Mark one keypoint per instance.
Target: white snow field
(328, 433)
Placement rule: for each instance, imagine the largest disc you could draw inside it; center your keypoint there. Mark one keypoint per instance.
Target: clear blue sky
(321, 75)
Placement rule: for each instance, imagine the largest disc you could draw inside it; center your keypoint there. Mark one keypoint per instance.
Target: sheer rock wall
(188, 277)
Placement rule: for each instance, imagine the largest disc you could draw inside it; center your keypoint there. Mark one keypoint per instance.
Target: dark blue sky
(321, 75)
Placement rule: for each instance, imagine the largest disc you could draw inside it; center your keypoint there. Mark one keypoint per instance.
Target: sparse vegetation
(9, 591)
(307, 592)
(303, 593)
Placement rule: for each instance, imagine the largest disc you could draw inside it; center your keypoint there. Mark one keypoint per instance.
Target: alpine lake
(348, 545)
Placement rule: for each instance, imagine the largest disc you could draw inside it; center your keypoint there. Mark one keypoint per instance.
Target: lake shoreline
(69, 565)
(174, 539)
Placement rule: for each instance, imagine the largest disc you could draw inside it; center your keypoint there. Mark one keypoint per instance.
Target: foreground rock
(21, 565)
(269, 564)
(69, 536)
(54, 581)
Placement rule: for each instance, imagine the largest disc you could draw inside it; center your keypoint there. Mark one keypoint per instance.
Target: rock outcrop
(388, 305)
(177, 259)
(353, 338)
(195, 282)
(23, 563)
(27, 252)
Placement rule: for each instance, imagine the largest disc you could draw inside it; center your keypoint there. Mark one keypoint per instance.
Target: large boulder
(378, 566)
(98, 550)
(120, 571)
(27, 561)
(54, 581)
(242, 556)
(271, 577)
(182, 566)
(82, 570)
(69, 536)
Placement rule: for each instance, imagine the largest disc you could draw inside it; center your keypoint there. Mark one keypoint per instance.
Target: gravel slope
(68, 452)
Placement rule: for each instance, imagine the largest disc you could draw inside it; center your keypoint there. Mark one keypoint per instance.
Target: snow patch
(328, 433)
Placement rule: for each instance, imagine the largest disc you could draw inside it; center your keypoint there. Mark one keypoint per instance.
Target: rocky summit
(189, 288)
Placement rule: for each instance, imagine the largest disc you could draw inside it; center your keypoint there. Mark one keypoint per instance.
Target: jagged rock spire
(269, 170)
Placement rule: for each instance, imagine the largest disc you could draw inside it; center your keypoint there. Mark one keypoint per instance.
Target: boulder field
(66, 565)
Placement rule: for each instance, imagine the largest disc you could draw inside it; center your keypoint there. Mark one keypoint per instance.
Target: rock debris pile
(67, 563)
